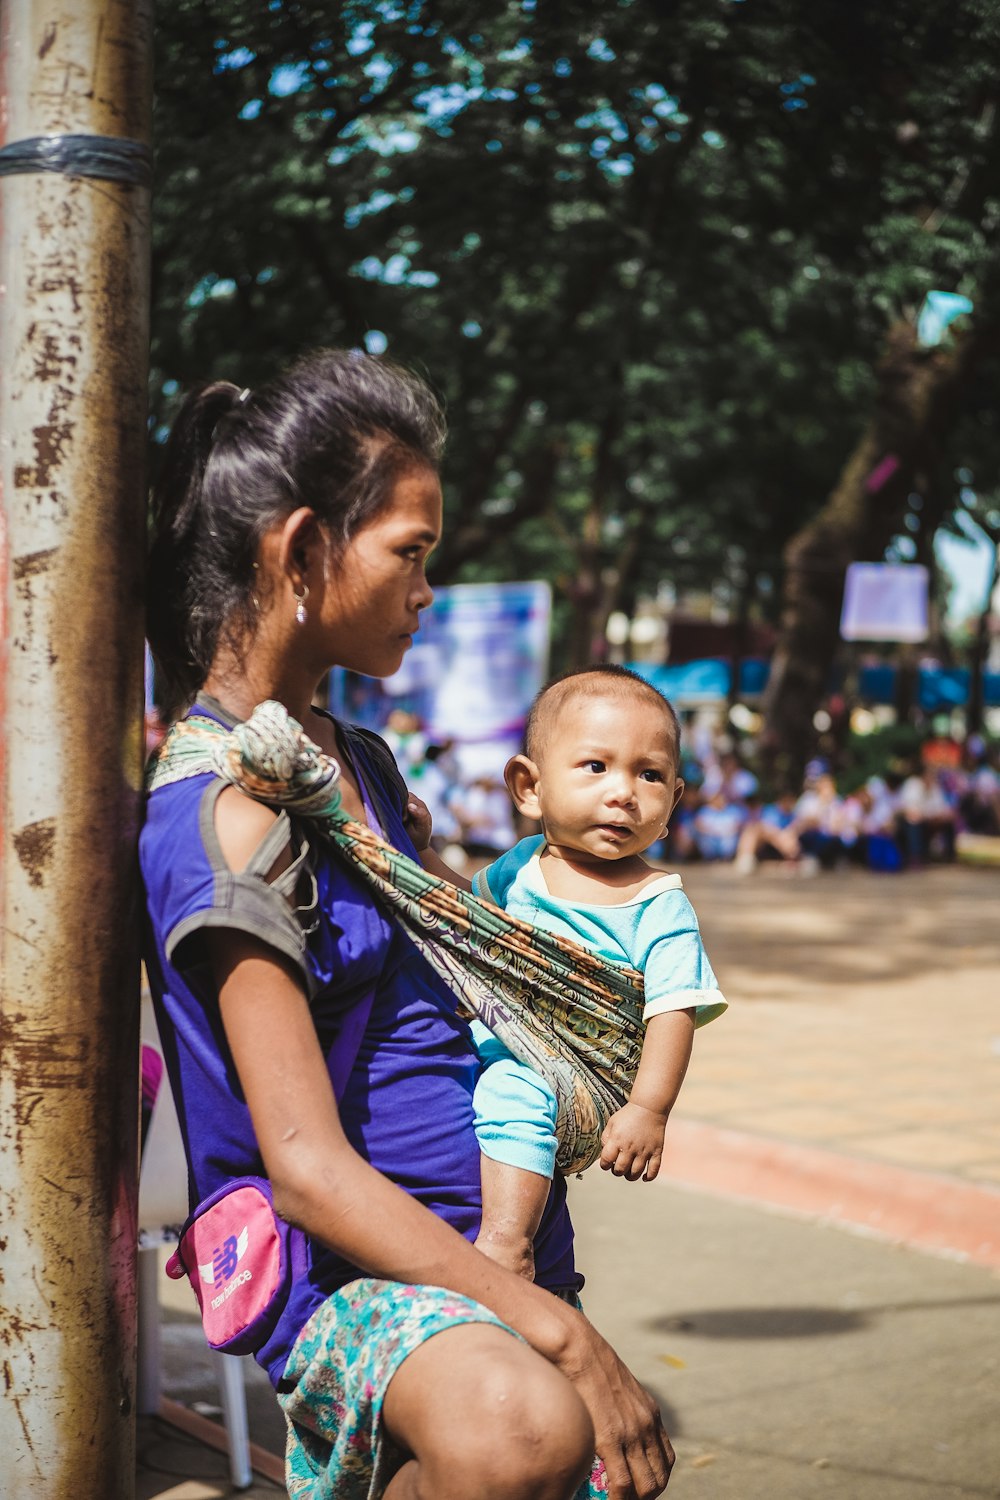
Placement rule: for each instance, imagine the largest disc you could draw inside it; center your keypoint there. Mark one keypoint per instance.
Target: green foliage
(894, 749)
(647, 253)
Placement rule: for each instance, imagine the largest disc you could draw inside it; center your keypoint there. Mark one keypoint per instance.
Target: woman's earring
(300, 606)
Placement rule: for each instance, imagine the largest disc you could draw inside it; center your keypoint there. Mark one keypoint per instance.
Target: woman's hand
(418, 822)
(630, 1437)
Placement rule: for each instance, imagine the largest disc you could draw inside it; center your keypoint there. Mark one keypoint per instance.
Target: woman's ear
(521, 776)
(299, 537)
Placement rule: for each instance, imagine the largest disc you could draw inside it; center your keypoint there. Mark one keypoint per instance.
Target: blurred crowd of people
(906, 817)
(473, 817)
(901, 819)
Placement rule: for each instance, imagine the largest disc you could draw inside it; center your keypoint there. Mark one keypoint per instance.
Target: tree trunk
(918, 399)
(980, 648)
(593, 584)
(747, 590)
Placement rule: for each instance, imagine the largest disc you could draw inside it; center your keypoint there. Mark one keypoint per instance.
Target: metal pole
(74, 250)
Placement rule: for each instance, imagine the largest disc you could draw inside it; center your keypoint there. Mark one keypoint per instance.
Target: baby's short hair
(601, 680)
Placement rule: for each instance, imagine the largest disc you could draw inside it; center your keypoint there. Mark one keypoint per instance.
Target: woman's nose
(424, 596)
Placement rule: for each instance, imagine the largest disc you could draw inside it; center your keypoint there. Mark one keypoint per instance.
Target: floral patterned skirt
(336, 1378)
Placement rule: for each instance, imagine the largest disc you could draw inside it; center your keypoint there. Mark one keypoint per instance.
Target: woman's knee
(535, 1431)
(508, 1427)
(522, 1437)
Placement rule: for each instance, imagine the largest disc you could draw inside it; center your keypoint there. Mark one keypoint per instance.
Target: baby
(600, 772)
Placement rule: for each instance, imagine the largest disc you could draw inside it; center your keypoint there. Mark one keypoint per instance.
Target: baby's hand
(418, 821)
(632, 1143)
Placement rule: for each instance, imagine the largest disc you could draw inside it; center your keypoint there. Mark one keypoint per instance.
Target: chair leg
(147, 1392)
(234, 1410)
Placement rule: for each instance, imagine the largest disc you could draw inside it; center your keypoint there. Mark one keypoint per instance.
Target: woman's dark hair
(334, 433)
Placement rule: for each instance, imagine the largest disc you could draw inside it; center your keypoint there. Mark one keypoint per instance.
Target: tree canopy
(651, 255)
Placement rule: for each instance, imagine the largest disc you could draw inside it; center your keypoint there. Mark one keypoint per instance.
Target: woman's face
(375, 587)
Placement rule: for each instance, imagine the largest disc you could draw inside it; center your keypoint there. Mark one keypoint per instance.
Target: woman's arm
(320, 1183)
(435, 865)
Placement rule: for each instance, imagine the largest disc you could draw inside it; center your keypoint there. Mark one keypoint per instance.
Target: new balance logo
(225, 1259)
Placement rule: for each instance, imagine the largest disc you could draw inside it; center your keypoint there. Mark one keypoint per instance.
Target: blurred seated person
(878, 843)
(881, 803)
(926, 820)
(482, 809)
(679, 846)
(853, 809)
(769, 834)
(404, 735)
(717, 826)
(980, 799)
(824, 832)
(435, 781)
(729, 777)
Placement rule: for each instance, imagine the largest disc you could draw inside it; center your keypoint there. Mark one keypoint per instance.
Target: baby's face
(607, 776)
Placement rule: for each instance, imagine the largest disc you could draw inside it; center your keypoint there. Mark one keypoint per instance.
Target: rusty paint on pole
(73, 334)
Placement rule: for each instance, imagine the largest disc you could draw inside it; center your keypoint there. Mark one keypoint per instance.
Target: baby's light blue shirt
(655, 931)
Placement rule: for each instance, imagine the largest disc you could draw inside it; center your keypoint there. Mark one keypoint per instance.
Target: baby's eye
(651, 775)
(597, 766)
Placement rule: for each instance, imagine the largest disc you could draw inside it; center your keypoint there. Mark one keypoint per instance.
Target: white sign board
(885, 602)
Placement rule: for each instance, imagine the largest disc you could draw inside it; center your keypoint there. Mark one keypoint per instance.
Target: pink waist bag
(241, 1260)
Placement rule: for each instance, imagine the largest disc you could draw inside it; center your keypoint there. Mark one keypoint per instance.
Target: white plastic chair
(162, 1210)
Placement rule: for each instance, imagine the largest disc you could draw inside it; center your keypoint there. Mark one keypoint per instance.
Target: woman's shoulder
(241, 825)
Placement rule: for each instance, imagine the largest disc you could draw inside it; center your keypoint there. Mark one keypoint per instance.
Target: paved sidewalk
(854, 1081)
(791, 1361)
(858, 1068)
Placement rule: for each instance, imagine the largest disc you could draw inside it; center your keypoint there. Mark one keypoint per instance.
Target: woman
(306, 1040)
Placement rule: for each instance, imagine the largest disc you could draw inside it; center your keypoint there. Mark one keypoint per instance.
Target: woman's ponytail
(174, 635)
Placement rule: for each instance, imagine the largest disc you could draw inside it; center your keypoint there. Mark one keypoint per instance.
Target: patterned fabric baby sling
(573, 1016)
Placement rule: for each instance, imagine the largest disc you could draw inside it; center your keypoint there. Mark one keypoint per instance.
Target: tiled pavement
(864, 1018)
(855, 1078)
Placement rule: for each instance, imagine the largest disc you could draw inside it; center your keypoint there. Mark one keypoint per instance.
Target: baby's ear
(521, 776)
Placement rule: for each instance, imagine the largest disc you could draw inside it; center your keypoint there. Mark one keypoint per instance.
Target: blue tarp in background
(938, 688)
(694, 683)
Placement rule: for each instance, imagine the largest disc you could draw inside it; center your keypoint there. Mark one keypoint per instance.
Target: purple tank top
(406, 1105)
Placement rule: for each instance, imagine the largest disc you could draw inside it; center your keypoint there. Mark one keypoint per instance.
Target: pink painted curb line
(919, 1209)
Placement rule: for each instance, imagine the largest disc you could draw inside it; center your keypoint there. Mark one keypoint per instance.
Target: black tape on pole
(114, 159)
